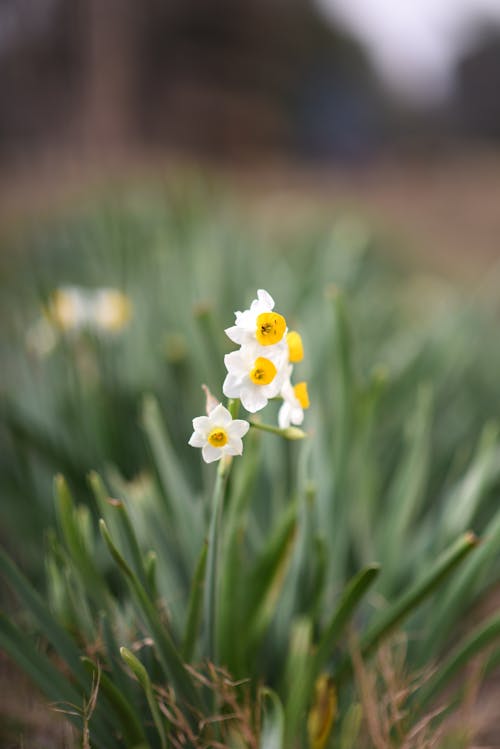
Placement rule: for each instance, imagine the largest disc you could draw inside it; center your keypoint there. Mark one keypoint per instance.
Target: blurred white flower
(111, 310)
(255, 374)
(218, 434)
(69, 308)
(72, 308)
(295, 401)
(259, 324)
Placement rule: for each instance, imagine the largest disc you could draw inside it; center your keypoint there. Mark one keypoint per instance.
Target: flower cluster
(259, 370)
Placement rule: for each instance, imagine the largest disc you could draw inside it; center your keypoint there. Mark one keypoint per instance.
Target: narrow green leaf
(349, 599)
(117, 674)
(75, 543)
(35, 604)
(210, 593)
(462, 502)
(130, 724)
(178, 493)
(351, 724)
(150, 568)
(142, 676)
(231, 587)
(408, 487)
(341, 395)
(37, 666)
(115, 511)
(195, 607)
(166, 649)
(464, 583)
(482, 637)
(266, 580)
(272, 734)
(298, 680)
(397, 612)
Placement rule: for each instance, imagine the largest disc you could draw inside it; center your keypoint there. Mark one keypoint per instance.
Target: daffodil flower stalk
(211, 592)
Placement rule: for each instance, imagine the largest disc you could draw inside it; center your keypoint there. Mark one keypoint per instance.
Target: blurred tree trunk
(109, 41)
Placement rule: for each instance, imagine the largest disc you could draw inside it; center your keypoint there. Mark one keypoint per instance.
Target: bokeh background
(384, 107)
(327, 80)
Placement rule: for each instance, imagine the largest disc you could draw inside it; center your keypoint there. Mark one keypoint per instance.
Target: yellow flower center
(300, 391)
(263, 371)
(63, 310)
(218, 437)
(270, 328)
(113, 311)
(295, 348)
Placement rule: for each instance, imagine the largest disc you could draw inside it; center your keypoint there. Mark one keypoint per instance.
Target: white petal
(197, 440)
(220, 416)
(231, 386)
(234, 446)
(284, 416)
(238, 428)
(246, 319)
(271, 390)
(201, 424)
(211, 453)
(297, 416)
(236, 362)
(265, 298)
(253, 399)
(236, 334)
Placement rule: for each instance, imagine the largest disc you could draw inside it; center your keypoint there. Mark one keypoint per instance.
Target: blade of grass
(35, 604)
(350, 598)
(342, 402)
(129, 721)
(272, 734)
(142, 677)
(266, 580)
(298, 680)
(482, 637)
(462, 586)
(75, 542)
(397, 612)
(166, 649)
(408, 488)
(195, 607)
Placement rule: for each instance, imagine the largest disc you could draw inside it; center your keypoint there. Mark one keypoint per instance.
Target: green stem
(290, 433)
(211, 587)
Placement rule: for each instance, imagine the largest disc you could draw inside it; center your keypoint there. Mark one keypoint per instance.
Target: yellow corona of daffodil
(295, 347)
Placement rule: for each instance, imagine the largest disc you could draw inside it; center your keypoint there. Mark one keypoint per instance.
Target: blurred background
(387, 107)
(334, 80)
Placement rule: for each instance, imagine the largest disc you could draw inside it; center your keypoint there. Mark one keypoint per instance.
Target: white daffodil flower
(218, 434)
(255, 374)
(295, 400)
(259, 324)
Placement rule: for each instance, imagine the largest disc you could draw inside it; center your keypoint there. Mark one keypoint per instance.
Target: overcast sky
(414, 44)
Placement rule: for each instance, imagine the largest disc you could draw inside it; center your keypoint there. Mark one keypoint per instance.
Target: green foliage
(362, 527)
